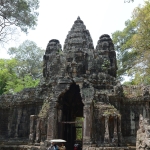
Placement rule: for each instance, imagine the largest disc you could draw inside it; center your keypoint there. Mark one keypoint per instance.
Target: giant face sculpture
(53, 46)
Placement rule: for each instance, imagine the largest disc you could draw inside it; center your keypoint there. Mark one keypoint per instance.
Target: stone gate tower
(85, 79)
(78, 82)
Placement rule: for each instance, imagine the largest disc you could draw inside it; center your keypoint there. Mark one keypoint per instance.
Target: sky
(56, 18)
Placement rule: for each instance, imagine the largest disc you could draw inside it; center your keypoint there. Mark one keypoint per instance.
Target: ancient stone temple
(78, 99)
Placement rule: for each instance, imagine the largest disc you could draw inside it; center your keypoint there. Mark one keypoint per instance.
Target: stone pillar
(87, 124)
(87, 95)
(18, 121)
(38, 132)
(115, 137)
(32, 128)
(52, 122)
(10, 120)
(60, 125)
(43, 129)
(106, 136)
(120, 140)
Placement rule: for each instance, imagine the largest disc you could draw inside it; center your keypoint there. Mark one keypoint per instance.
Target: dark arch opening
(71, 111)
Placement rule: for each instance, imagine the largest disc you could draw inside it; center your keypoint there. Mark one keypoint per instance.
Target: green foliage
(105, 64)
(6, 73)
(18, 84)
(133, 46)
(127, 83)
(79, 128)
(23, 70)
(20, 13)
(10, 82)
(123, 44)
(29, 57)
(139, 79)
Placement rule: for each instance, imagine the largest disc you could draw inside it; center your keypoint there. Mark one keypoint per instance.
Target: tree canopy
(23, 70)
(9, 81)
(30, 58)
(133, 46)
(6, 73)
(17, 13)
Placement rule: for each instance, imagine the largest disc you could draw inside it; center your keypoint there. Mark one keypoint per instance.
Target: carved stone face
(53, 46)
(105, 43)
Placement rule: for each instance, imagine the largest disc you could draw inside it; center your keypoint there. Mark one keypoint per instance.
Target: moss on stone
(44, 110)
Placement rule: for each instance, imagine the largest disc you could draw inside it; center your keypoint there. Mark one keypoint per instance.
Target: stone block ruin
(78, 99)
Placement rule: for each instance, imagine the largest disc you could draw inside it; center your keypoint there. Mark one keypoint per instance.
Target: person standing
(76, 146)
(62, 147)
(51, 147)
(56, 147)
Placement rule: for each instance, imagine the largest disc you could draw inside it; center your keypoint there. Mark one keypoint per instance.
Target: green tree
(30, 58)
(17, 13)
(123, 44)
(133, 46)
(141, 41)
(7, 73)
(18, 84)
(10, 82)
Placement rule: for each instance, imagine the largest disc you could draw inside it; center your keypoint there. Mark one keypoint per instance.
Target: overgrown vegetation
(133, 46)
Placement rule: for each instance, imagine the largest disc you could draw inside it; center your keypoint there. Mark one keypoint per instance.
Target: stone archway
(70, 107)
(70, 100)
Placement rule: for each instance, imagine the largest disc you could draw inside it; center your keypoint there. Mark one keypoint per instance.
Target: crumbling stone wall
(135, 103)
(15, 111)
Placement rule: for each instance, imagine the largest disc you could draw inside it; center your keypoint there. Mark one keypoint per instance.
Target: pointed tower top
(78, 18)
(78, 37)
(78, 21)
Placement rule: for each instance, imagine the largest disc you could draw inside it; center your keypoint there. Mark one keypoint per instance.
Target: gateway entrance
(71, 121)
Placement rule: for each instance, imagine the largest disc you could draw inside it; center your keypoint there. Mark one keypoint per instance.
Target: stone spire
(105, 43)
(105, 51)
(79, 37)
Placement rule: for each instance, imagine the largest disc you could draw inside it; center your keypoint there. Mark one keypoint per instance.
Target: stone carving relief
(52, 59)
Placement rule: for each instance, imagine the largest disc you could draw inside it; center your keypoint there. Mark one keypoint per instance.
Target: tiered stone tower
(78, 82)
(93, 73)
